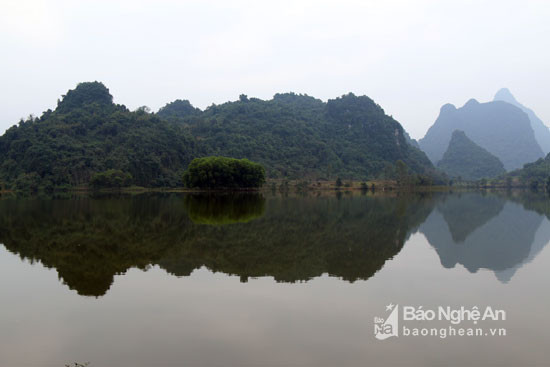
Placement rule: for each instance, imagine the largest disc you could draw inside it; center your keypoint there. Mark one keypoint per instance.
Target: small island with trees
(224, 173)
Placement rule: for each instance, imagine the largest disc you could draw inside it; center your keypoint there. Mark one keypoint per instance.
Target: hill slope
(302, 137)
(87, 133)
(499, 127)
(468, 160)
(293, 136)
(542, 132)
(535, 174)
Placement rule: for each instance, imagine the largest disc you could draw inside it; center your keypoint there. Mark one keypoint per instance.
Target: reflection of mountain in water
(88, 241)
(542, 236)
(488, 232)
(468, 211)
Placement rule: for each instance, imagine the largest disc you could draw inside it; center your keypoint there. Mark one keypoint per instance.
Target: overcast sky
(411, 57)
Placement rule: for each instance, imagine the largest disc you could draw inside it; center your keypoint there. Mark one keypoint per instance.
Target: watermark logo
(388, 327)
(442, 322)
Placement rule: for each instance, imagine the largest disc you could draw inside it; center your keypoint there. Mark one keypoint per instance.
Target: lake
(275, 280)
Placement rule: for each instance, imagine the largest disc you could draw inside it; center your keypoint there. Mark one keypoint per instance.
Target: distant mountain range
(293, 136)
(499, 127)
(467, 160)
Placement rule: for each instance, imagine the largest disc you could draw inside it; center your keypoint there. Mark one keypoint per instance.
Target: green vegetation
(88, 134)
(112, 178)
(223, 173)
(300, 137)
(292, 136)
(467, 160)
(178, 109)
(534, 175)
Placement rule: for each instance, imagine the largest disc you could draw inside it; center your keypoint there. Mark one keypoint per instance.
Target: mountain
(87, 133)
(468, 160)
(293, 136)
(499, 127)
(542, 132)
(302, 137)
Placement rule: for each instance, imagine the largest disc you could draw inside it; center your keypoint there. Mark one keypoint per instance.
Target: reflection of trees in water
(486, 231)
(219, 209)
(88, 241)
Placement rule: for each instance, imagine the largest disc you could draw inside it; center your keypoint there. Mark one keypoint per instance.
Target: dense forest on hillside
(535, 175)
(88, 134)
(467, 160)
(292, 136)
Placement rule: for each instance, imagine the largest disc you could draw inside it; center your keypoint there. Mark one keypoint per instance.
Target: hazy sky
(411, 57)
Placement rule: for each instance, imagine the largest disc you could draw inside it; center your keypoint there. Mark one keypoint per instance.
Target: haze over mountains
(504, 130)
(502, 127)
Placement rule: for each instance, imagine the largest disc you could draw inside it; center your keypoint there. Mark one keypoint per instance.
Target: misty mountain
(499, 127)
(542, 132)
(468, 160)
(293, 136)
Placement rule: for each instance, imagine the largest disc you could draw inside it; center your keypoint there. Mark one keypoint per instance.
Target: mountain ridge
(293, 136)
(541, 130)
(501, 128)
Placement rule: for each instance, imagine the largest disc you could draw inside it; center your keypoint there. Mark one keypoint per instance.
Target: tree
(223, 172)
(112, 178)
(143, 109)
(338, 182)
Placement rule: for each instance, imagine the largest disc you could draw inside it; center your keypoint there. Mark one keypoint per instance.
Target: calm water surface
(269, 280)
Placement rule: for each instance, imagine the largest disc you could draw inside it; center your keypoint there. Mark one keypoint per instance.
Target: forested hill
(535, 174)
(86, 134)
(300, 136)
(293, 136)
(467, 160)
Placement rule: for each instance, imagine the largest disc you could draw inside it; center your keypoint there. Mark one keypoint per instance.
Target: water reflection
(88, 241)
(220, 209)
(486, 232)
